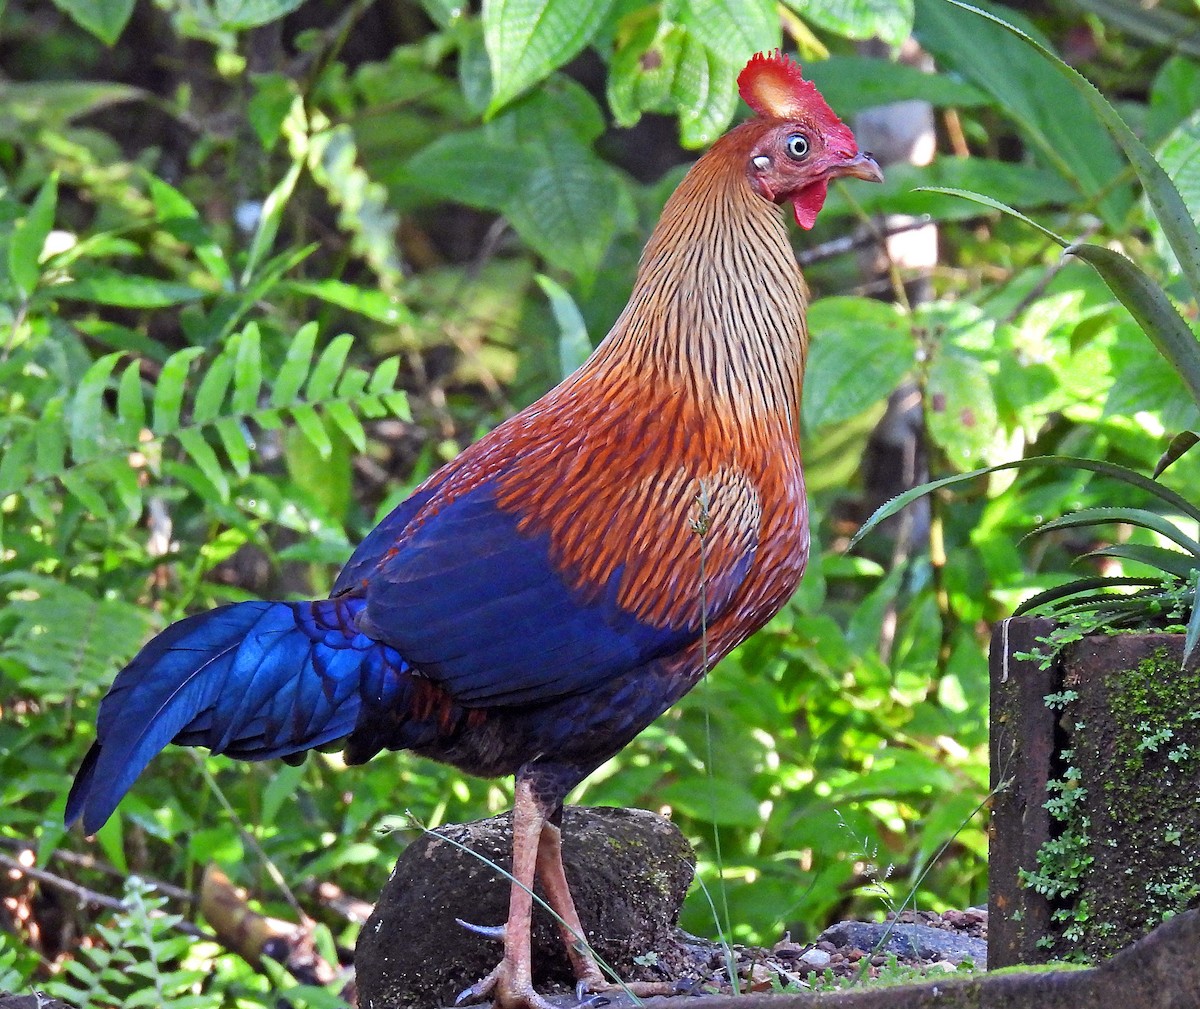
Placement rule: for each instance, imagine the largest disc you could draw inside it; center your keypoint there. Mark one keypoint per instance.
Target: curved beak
(861, 166)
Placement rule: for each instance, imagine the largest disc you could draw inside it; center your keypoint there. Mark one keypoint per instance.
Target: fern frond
(116, 424)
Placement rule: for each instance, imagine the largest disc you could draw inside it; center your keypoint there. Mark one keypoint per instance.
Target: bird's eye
(797, 147)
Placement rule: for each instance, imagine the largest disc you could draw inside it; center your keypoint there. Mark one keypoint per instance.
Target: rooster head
(803, 144)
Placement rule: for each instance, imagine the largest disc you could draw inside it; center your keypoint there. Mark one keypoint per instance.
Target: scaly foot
(505, 990)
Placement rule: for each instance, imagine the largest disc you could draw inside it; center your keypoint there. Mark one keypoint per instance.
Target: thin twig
(838, 246)
(86, 896)
(93, 864)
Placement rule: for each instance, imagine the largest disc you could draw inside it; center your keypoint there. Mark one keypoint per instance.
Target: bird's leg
(558, 896)
(589, 979)
(510, 984)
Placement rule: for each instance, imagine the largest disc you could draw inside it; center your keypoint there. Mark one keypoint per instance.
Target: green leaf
(1149, 305)
(733, 29)
(528, 39)
(574, 347)
(1130, 516)
(51, 104)
(131, 403)
(962, 415)
(1121, 473)
(247, 371)
(705, 90)
(889, 20)
(343, 416)
(29, 238)
(238, 15)
(202, 454)
(1180, 444)
(313, 429)
(269, 106)
(296, 365)
(370, 302)
(236, 440)
(1056, 120)
(853, 83)
(125, 290)
(170, 388)
(1179, 156)
(213, 388)
(328, 369)
(87, 407)
(1172, 562)
(840, 380)
(1168, 206)
(105, 19)
(268, 222)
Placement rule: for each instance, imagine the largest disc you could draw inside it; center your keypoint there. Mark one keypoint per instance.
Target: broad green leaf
(1150, 307)
(125, 290)
(889, 20)
(853, 83)
(105, 19)
(89, 496)
(574, 347)
(131, 403)
(961, 416)
(733, 29)
(1168, 206)
(705, 91)
(170, 389)
(383, 379)
(643, 69)
(296, 365)
(178, 216)
(1173, 562)
(526, 40)
(29, 238)
(237, 15)
(841, 381)
(269, 106)
(1056, 120)
(1172, 97)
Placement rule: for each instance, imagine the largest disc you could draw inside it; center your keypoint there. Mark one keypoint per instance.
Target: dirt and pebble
(915, 943)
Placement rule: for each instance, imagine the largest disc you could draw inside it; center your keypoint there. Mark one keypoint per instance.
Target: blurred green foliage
(198, 198)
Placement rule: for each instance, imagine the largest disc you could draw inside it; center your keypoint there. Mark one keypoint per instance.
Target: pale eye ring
(796, 146)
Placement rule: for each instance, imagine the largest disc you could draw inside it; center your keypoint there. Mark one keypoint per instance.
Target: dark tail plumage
(252, 680)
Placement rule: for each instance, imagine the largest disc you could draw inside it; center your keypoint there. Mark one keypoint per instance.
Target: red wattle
(808, 203)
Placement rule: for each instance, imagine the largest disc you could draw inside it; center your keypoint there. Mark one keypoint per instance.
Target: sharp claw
(464, 996)
(487, 931)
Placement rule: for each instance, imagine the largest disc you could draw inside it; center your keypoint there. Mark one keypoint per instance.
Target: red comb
(773, 86)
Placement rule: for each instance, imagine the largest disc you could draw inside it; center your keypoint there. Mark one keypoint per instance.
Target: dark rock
(912, 942)
(628, 869)
(34, 1001)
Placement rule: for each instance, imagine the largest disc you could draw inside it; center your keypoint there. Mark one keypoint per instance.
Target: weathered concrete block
(1117, 757)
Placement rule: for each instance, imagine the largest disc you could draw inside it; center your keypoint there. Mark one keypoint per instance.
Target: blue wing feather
(478, 606)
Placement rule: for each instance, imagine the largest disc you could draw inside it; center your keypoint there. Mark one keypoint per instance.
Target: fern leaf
(213, 389)
(311, 426)
(247, 371)
(329, 368)
(202, 454)
(169, 390)
(296, 365)
(131, 404)
(341, 414)
(236, 440)
(87, 408)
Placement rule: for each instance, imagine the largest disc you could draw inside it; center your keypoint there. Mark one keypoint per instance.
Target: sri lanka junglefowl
(541, 599)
